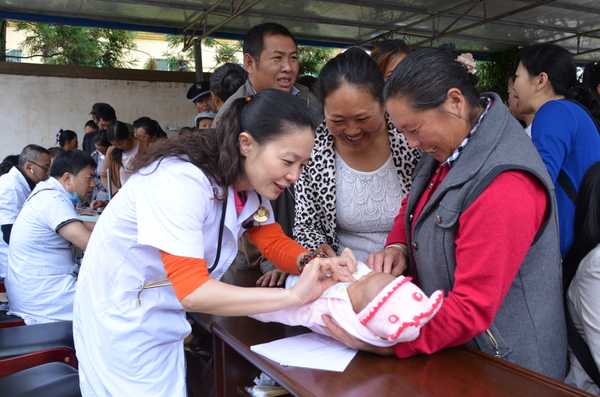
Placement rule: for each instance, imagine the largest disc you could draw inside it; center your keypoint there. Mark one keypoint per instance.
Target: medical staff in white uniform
(15, 186)
(165, 240)
(42, 271)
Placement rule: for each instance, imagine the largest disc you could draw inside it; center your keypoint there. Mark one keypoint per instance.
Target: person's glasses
(45, 168)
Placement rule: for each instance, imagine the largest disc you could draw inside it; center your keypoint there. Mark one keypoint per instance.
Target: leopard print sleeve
(405, 158)
(315, 220)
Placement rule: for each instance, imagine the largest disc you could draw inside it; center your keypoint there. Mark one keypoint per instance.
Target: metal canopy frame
(479, 26)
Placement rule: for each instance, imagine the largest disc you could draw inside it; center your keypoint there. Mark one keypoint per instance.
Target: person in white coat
(162, 244)
(42, 268)
(15, 186)
(582, 281)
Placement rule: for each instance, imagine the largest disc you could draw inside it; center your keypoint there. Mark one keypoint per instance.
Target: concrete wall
(36, 101)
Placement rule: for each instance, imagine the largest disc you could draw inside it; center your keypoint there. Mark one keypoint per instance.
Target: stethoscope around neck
(260, 215)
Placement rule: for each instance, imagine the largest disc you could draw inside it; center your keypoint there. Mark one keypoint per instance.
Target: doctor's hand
(389, 260)
(347, 260)
(338, 333)
(318, 275)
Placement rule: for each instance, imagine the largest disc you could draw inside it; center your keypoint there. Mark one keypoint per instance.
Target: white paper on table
(310, 350)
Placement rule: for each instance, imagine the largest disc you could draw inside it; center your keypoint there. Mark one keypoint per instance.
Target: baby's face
(366, 288)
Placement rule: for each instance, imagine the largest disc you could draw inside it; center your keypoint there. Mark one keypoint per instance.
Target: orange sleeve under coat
(186, 274)
(272, 242)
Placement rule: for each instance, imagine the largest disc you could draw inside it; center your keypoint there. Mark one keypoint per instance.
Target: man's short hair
(95, 107)
(254, 40)
(91, 124)
(106, 112)
(55, 151)
(72, 161)
(31, 153)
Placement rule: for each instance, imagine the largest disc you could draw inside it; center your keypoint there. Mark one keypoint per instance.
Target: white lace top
(366, 205)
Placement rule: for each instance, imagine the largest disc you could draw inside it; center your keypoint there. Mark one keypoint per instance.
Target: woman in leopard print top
(360, 169)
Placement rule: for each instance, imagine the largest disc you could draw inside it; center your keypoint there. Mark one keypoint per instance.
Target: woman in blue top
(562, 130)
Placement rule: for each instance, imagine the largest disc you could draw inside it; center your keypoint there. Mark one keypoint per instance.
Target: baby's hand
(348, 260)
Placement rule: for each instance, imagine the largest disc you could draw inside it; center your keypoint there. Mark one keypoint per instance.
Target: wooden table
(452, 372)
(459, 371)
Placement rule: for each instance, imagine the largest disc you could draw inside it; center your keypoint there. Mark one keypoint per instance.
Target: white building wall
(34, 108)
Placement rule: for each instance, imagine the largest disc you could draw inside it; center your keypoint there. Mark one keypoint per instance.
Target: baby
(378, 308)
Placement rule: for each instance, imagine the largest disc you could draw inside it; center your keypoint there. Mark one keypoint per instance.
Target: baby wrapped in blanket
(379, 309)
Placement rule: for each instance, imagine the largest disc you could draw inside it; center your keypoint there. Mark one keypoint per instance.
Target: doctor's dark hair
(355, 67)
(586, 224)
(72, 161)
(266, 116)
(425, 76)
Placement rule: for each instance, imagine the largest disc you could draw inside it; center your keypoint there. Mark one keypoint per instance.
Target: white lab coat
(42, 272)
(14, 190)
(128, 349)
(583, 297)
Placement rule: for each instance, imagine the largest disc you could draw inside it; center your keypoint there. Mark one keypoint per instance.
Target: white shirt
(128, 349)
(366, 205)
(42, 272)
(127, 159)
(583, 299)
(14, 190)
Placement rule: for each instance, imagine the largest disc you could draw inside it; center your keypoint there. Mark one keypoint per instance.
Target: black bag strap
(581, 349)
(563, 181)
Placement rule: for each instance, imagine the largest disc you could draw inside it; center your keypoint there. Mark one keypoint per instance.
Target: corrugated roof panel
(357, 21)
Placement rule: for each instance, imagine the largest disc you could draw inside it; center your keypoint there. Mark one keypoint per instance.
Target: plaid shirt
(456, 154)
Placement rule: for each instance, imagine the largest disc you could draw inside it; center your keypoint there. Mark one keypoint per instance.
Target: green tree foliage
(226, 53)
(150, 64)
(312, 59)
(494, 73)
(77, 45)
(184, 60)
(177, 60)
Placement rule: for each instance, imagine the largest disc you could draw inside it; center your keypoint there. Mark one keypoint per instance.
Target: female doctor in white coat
(166, 239)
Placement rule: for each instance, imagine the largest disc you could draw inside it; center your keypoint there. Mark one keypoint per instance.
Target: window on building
(14, 55)
(162, 64)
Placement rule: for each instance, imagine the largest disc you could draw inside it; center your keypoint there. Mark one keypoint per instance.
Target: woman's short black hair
(353, 66)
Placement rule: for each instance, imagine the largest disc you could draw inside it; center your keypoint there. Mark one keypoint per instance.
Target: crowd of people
(394, 161)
